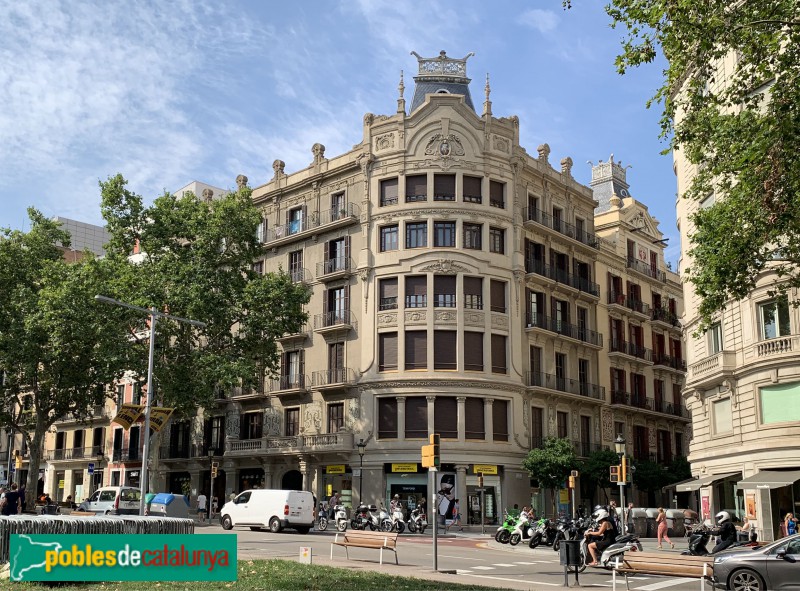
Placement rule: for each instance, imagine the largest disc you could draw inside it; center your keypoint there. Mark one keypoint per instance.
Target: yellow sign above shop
(335, 469)
(486, 469)
(404, 467)
(563, 496)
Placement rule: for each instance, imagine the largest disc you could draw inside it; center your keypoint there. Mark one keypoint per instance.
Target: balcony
(664, 317)
(712, 370)
(338, 216)
(616, 346)
(590, 337)
(646, 269)
(335, 268)
(537, 379)
(538, 267)
(339, 320)
(669, 361)
(638, 306)
(312, 223)
(322, 443)
(303, 333)
(75, 453)
(670, 408)
(183, 451)
(289, 384)
(329, 379)
(300, 275)
(247, 392)
(126, 455)
(642, 402)
(531, 214)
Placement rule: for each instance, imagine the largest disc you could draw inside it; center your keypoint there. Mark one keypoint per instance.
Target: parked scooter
(698, 541)
(624, 543)
(382, 521)
(322, 520)
(503, 533)
(567, 529)
(544, 532)
(522, 530)
(362, 517)
(417, 522)
(398, 521)
(340, 514)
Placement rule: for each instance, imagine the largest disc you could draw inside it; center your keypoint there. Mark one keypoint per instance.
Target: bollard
(305, 555)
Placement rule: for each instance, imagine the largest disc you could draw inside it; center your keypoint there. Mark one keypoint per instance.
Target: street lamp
(619, 446)
(154, 316)
(362, 446)
(211, 483)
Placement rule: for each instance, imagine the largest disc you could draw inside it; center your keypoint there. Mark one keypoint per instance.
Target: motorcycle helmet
(396, 496)
(600, 514)
(722, 517)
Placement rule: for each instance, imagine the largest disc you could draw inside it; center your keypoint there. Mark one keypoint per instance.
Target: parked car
(275, 509)
(775, 566)
(113, 500)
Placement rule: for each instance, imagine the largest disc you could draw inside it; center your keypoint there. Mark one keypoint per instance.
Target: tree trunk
(35, 451)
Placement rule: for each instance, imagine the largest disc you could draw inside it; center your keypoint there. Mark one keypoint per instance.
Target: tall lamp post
(619, 446)
(154, 315)
(361, 448)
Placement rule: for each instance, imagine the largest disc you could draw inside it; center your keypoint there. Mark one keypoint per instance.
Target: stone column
(461, 489)
(401, 418)
(304, 471)
(488, 424)
(431, 401)
(461, 403)
(267, 475)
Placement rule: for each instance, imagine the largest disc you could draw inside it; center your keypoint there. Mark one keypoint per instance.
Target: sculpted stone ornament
(544, 152)
(566, 166)
(232, 424)
(278, 167)
(444, 145)
(208, 194)
(318, 150)
(241, 181)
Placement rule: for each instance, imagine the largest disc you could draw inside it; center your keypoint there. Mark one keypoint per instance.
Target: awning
(704, 481)
(770, 479)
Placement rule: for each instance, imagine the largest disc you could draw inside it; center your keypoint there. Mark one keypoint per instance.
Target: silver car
(773, 567)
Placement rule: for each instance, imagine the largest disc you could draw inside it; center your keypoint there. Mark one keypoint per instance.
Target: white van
(113, 500)
(275, 509)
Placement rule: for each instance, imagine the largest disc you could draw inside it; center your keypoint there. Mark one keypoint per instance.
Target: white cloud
(544, 21)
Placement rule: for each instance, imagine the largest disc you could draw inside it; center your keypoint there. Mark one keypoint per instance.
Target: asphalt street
(462, 557)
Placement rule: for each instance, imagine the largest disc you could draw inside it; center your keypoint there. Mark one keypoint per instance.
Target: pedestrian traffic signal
(214, 469)
(430, 453)
(614, 477)
(572, 482)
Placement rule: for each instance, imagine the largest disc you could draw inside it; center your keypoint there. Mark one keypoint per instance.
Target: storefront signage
(486, 469)
(335, 469)
(404, 467)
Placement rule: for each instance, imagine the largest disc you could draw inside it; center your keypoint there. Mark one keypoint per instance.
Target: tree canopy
(550, 464)
(731, 104)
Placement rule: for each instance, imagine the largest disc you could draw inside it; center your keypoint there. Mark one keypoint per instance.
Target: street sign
(91, 467)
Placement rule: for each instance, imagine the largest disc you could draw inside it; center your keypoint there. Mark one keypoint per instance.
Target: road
(471, 558)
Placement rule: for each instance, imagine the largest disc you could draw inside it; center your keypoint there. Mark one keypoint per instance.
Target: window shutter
(496, 191)
(445, 421)
(416, 184)
(325, 301)
(346, 250)
(326, 256)
(500, 420)
(444, 349)
(416, 426)
(473, 351)
(347, 300)
(416, 348)
(472, 186)
(416, 285)
(444, 184)
(499, 354)
(387, 418)
(388, 288)
(387, 354)
(473, 286)
(498, 295)
(444, 284)
(474, 426)
(389, 190)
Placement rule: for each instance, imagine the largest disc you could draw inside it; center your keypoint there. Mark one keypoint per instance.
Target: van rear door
(300, 507)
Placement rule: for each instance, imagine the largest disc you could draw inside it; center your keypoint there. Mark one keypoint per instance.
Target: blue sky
(170, 92)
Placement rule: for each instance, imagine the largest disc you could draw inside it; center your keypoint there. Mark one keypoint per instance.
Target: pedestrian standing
(214, 507)
(661, 521)
(629, 519)
(790, 523)
(612, 510)
(456, 516)
(11, 506)
(201, 507)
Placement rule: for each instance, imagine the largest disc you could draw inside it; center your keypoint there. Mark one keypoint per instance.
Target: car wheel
(514, 539)
(303, 530)
(226, 522)
(505, 536)
(746, 580)
(275, 525)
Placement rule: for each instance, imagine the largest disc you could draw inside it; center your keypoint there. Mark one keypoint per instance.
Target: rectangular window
(561, 372)
(562, 424)
(473, 351)
(444, 291)
(500, 420)
(292, 417)
(387, 290)
(416, 417)
(499, 364)
(444, 350)
(472, 236)
(473, 293)
(261, 231)
(679, 445)
(474, 424)
(387, 418)
(537, 427)
(336, 361)
(416, 234)
(473, 189)
(444, 187)
(296, 266)
(416, 188)
(387, 351)
(338, 206)
(388, 192)
(445, 417)
(780, 403)
(416, 349)
(389, 238)
(251, 425)
(335, 417)
(497, 240)
(715, 338)
(619, 429)
(416, 291)
(120, 394)
(497, 194)
(497, 290)
(444, 234)
(136, 395)
(723, 422)
(296, 220)
(558, 219)
(535, 309)
(291, 370)
(584, 373)
(774, 318)
(258, 267)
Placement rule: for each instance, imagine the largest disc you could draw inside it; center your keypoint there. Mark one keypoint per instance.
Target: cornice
(446, 384)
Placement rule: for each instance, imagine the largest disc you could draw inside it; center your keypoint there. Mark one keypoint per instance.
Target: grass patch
(272, 575)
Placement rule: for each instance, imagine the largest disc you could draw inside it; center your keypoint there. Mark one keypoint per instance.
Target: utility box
(169, 505)
(569, 553)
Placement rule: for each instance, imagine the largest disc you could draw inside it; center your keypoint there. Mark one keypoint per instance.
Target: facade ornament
(365, 161)
(384, 141)
(368, 119)
(278, 167)
(566, 166)
(401, 102)
(313, 417)
(272, 422)
(444, 145)
(232, 424)
(445, 267)
(544, 152)
(487, 104)
(318, 150)
(208, 194)
(241, 181)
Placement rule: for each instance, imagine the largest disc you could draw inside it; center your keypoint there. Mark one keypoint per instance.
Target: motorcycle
(698, 541)
(381, 521)
(503, 533)
(417, 522)
(522, 530)
(622, 544)
(543, 533)
(398, 522)
(322, 520)
(341, 517)
(362, 517)
(566, 530)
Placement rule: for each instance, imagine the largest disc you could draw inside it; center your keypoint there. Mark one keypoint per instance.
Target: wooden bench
(666, 563)
(367, 539)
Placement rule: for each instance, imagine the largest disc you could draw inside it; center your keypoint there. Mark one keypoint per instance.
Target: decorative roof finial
(401, 102)
(401, 87)
(487, 104)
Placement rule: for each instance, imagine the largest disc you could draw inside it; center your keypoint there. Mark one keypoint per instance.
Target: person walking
(790, 524)
(201, 507)
(456, 521)
(661, 521)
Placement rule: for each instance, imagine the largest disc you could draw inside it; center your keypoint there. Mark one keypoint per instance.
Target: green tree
(595, 473)
(740, 124)
(197, 262)
(678, 470)
(550, 464)
(58, 348)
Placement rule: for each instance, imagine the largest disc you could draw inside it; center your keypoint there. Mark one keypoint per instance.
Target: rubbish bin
(675, 518)
(652, 528)
(639, 522)
(169, 505)
(569, 553)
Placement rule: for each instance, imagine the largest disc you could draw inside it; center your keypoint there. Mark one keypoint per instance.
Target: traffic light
(571, 482)
(624, 474)
(430, 453)
(614, 477)
(214, 469)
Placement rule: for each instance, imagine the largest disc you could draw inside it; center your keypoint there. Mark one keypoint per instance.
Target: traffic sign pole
(435, 518)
